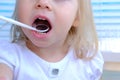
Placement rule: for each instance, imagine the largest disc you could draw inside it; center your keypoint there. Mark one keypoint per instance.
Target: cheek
(23, 11)
(67, 17)
(64, 21)
(21, 14)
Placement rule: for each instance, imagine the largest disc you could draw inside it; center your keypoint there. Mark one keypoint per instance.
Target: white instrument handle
(20, 24)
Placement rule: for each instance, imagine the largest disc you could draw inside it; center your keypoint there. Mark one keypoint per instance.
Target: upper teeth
(41, 18)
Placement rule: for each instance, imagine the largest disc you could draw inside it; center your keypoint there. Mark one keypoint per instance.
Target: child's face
(59, 15)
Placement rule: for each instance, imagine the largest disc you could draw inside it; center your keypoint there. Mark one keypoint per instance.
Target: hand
(5, 72)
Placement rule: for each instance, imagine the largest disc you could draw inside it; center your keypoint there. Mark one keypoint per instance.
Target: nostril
(38, 6)
(44, 4)
(47, 7)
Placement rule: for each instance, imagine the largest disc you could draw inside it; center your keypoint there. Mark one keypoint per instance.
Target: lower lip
(39, 35)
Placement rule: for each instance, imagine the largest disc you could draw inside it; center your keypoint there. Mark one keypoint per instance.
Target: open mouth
(42, 25)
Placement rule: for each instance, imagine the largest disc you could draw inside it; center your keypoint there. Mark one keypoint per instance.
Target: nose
(43, 4)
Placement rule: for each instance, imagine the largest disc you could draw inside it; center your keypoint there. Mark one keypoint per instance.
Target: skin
(60, 13)
(5, 72)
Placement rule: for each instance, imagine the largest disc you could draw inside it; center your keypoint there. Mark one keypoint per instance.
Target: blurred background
(107, 21)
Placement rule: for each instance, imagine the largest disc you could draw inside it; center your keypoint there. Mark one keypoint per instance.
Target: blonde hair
(82, 37)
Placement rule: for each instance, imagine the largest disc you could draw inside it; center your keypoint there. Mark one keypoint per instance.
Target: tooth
(41, 18)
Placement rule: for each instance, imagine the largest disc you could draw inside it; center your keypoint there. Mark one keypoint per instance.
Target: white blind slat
(6, 9)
